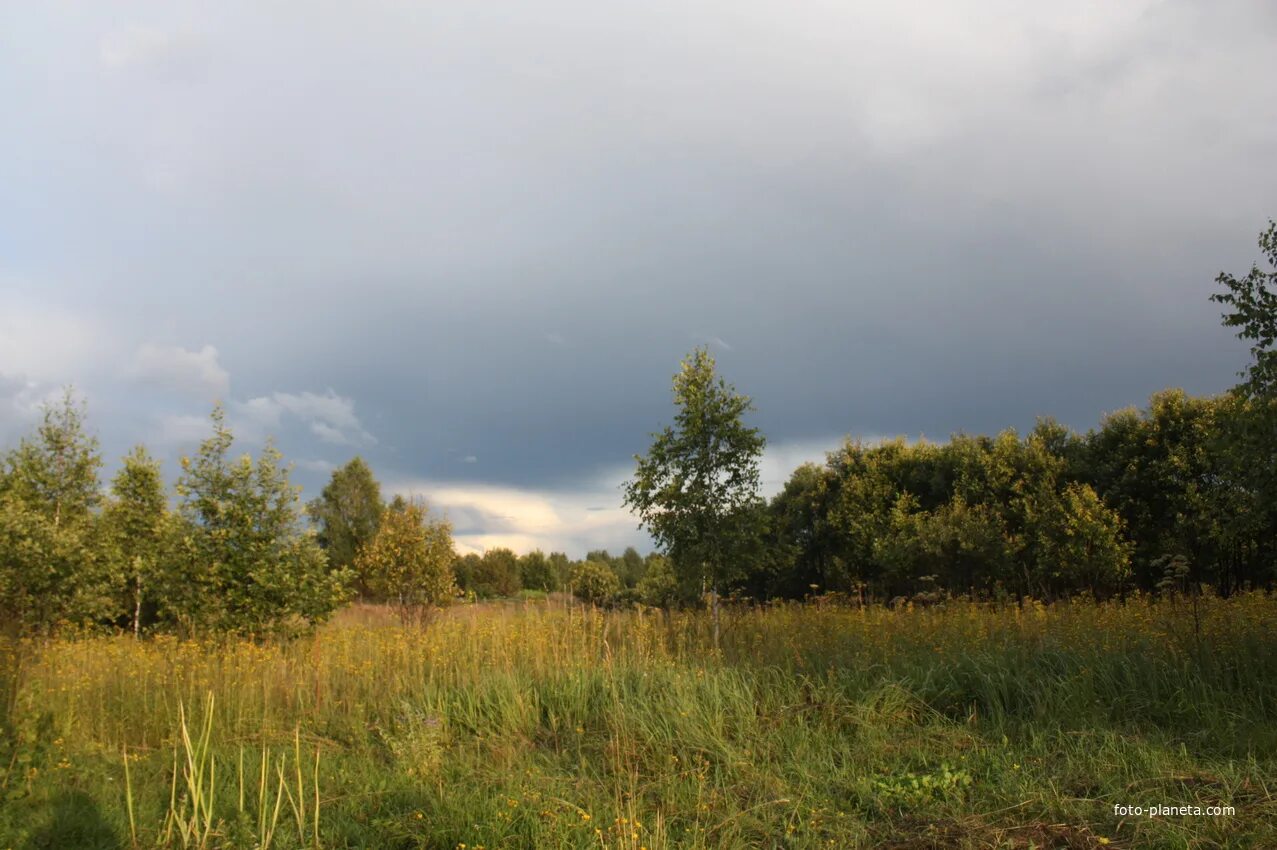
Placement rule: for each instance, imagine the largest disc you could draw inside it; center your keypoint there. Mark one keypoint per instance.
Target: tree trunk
(137, 607)
(713, 601)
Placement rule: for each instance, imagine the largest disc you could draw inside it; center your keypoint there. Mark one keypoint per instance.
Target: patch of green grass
(544, 727)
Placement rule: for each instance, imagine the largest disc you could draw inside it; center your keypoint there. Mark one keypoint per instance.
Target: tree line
(1168, 495)
(1179, 495)
(235, 551)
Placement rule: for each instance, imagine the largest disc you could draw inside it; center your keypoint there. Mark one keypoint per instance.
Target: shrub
(594, 582)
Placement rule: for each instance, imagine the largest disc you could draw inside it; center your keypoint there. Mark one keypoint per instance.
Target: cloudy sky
(471, 241)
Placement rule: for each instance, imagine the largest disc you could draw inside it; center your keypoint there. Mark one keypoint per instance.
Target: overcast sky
(471, 241)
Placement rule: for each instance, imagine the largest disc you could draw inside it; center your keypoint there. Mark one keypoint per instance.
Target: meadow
(540, 724)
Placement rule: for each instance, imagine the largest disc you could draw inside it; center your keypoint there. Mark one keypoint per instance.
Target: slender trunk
(137, 607)
(713, 599)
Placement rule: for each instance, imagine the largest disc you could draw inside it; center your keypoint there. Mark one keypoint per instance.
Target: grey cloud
(500, 226)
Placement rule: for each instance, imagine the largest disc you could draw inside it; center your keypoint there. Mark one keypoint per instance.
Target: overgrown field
(535, 725)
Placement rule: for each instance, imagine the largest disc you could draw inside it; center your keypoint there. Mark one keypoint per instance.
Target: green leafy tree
(56, 472)
(50, 564)
(1252, 309)
(804, 538)
(629, 567)
(347, 515)
(409, 561)
(560, 566)
(466, 569)
(135, 523)
(537, 573)
(1250, 437)
(39, 563)
(1165, 471)
(659, 585)
(496, 574)
(863, 487)
(246, 564)
(959, 547)
(594, 582)
(1080, 545)
(700, 478)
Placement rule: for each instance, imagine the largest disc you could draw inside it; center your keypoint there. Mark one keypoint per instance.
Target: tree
(629, 567)
(1080, 545)
(659, 585)
(699, 478)
(134, 523)
(409, 561)
(56, 473)
(594, 582)
(497, 574)
(466, 568)
(804, 538)
(1251, 435)
(560, 566)
(347, 514)
(537, 573)
(1253, 309)
(39, 563)
(50, 564)
(246, 564)
(1163, 470)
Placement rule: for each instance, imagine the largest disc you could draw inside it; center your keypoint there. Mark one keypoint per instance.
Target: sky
(471, 241)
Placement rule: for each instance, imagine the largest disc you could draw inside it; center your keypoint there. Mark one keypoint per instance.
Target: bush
(594, 582)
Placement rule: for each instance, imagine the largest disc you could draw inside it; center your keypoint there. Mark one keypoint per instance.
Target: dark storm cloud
(472, 242)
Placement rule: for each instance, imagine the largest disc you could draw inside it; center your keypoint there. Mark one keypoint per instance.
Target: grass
(533, 725)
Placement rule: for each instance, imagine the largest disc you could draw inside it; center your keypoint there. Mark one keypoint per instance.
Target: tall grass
(535, 725)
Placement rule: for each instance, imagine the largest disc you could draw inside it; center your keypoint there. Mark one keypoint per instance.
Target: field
(536, 724)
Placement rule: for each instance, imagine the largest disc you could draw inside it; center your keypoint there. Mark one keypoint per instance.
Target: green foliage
(537, 573)
(907, 790)
(495, 574)
(1188, 476)
(40, 565)
(244, 562)
(659, 585)
(56, 472)
(1252, 308)
(1250, 440)
(50, 565)
(594, 582)
(135, 526)
(629, 567)
(960, 546)
(807, 552)
(700, 478)
(409, 561)
(1080, 545)
(347, 514)
(560, 566)
(466, 568)
(975, 515)
(599, 556)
